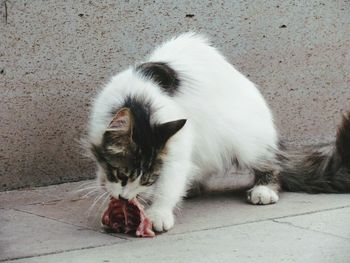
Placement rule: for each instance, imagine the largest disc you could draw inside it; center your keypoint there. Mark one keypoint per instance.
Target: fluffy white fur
(227, 118)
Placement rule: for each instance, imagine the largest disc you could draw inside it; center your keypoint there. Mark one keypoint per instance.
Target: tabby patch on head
(133, 148)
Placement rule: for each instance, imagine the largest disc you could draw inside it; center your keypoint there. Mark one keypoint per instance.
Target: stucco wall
(55, 55)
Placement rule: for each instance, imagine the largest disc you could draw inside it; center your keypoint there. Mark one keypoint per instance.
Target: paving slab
(71, 203)
(335, 222)
(200, 213)
(76, 211)
(225, 210)
(67, 190)
(254, 242)
(28, 235)
(56, 219)
(12, 199)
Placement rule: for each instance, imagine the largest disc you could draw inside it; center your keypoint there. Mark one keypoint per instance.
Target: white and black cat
(186, 118)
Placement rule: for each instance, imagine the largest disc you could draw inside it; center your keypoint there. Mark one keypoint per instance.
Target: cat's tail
(325, 169)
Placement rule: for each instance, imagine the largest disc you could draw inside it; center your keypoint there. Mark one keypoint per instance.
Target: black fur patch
(149, 139)
(162, 74)
(142, 134)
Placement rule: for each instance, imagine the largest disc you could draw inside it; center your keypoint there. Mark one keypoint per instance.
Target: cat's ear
(168, 129)
(121, 122)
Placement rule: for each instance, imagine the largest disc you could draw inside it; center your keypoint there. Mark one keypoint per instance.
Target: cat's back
(185, 47)
(208, 82)
(237, 118)
(202, 68)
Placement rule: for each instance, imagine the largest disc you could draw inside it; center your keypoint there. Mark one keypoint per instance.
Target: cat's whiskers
(90, 183)
(143, 200)
(86, 188)
(91, 193)
(87, 183)
(89, 187)
(153, 195)
(83, 187)
(145, 196)
(98, 198)
(104, 202)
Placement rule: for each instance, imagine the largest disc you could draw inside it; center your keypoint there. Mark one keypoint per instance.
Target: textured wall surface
(55, 55)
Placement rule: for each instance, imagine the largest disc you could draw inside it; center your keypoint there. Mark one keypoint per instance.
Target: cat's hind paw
(162, 219)
(262, 195)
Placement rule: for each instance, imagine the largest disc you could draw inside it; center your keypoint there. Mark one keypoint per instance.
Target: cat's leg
(266, 187)
(169, 191)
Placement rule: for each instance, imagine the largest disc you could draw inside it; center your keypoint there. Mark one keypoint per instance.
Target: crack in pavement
(308, 229)
(313, 212)
(58, 252)
(262, 220)
(71, 224)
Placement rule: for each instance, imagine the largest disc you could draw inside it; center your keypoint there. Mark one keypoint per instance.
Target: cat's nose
(123, 198)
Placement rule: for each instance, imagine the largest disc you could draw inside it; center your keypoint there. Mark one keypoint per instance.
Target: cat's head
(130, 157)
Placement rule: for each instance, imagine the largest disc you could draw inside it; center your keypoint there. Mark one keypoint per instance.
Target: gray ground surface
(51, 224)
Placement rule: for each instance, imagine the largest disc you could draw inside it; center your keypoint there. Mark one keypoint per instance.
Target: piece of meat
(124, 216)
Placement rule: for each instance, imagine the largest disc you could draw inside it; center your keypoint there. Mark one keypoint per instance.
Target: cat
(185, 119)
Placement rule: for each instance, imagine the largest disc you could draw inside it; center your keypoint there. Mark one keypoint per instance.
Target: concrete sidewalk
(49, 224)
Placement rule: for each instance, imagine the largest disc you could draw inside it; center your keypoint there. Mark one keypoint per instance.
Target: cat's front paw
(262, 195)
(162, 219)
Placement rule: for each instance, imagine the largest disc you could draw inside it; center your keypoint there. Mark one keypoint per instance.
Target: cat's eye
(149, 179)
